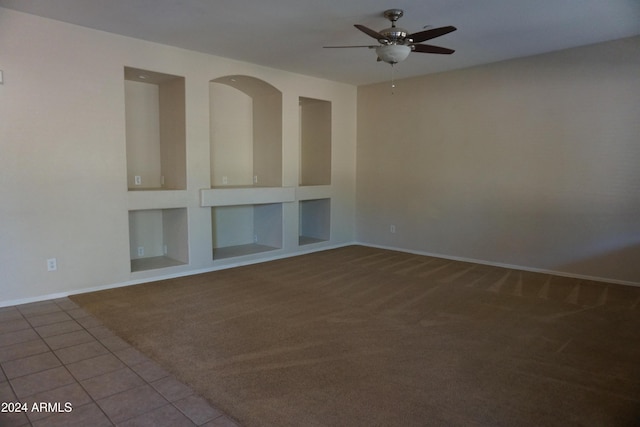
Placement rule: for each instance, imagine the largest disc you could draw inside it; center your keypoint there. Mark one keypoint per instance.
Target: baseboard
(503, 265)
(304, 252)
(240, 263)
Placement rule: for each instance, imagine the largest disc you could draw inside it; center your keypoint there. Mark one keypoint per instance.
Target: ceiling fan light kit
(395, 44)
(393, 53)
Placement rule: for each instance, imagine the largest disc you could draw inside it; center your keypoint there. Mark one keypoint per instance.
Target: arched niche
(245, 132)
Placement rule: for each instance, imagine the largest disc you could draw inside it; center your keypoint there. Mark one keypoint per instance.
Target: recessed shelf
(245, 133)
(155, 130)
(152, 263)
(315, 141)
(314, 221)
(246, 229)
(158, 238)
(241, 250)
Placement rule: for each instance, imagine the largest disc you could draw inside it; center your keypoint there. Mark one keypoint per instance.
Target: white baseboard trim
(241, 263)
(503, 265)
(312, 248)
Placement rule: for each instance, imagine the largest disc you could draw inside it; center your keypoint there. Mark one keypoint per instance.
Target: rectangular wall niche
(315, 142)
(158, 238)
(315, 221)
(155, 130)
(246, 229)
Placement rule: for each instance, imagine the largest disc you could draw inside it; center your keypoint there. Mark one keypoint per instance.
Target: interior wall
(530, 162)
(63, 161)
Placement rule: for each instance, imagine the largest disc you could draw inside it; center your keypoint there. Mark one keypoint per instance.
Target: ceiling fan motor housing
(395, 35)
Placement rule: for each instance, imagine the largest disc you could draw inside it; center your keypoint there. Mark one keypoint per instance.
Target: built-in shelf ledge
(246, 196)
(310, 192)
(152, 263)
(154, 189)
(240, 250)
(308, 240)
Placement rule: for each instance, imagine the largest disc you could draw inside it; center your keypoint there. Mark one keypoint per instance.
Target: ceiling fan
(395, 44)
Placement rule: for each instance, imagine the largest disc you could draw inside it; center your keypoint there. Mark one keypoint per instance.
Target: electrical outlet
(52, 264)
(255, 179)
(165, 250)
(392, 228)
(255, 238)
(140, 250)
(137, 180)
(225, 180)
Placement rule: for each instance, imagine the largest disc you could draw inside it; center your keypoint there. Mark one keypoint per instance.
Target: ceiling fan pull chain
(393, 81)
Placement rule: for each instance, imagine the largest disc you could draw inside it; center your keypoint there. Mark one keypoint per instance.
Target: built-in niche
(158, 238)
(155, 130)
(314, 221)
(246, 229)
(245, 132)
(315, 141)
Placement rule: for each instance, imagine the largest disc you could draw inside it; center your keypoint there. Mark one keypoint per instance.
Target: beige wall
(63, 166)
(531, 162)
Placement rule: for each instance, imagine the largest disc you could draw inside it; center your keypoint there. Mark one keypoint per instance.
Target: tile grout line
(71, 373)
(128, 366)
(64, 365)
(67, 306)
(98, 340)
(4, 372)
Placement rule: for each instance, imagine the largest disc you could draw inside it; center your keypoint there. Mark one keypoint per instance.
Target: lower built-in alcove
(246, 229)
(158, 238)
(314, 221)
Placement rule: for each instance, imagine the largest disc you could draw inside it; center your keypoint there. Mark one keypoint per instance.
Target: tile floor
(60, 367)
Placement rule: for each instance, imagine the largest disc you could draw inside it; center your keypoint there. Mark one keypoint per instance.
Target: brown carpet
(360, 336)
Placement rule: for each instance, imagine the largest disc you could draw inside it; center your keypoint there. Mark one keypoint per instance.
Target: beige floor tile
(129, 404)
(41, 381)
(112, 383)
(99, 365)
(79, 352)
(57, 354)
(29, 365)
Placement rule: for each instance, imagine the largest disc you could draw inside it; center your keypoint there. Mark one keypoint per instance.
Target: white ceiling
(290, 34)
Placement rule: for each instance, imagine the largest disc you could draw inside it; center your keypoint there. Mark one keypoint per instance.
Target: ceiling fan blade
(368, 31)
(422, 36)
(426, 48)
(347, 47)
